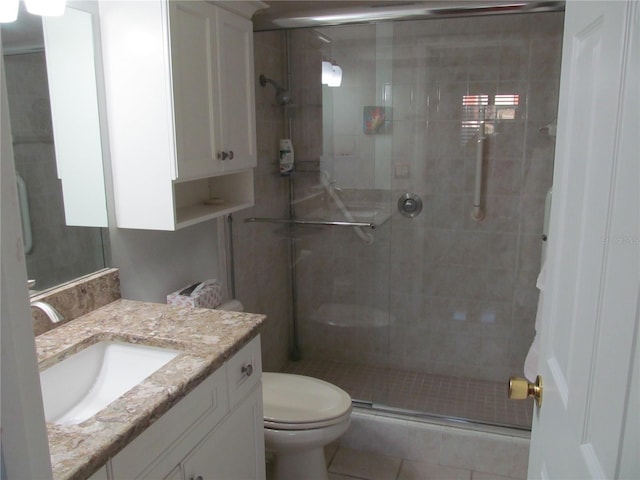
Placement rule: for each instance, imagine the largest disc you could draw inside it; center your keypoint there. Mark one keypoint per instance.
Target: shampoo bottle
(286, 156)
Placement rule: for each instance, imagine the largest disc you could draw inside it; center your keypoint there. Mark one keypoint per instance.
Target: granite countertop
(207, 338)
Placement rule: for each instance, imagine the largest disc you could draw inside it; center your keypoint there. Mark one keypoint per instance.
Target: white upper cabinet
(179, 87)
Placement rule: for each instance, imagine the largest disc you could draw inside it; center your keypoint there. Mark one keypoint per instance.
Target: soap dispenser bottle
(286, 156)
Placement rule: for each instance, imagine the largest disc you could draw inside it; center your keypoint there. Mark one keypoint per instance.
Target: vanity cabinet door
(175, 474)
(100, 474)
(155, 453)
(234, 449)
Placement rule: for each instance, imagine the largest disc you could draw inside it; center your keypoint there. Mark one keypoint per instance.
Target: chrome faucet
(49, 311)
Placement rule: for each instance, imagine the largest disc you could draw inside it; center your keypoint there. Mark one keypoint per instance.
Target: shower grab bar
(477, 214)
(329, 187)
(323, 223)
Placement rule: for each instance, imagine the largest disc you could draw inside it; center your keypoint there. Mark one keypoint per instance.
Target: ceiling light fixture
(45, 8)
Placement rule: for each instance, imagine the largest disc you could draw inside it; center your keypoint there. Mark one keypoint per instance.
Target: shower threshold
(422, 396)
(434, 418)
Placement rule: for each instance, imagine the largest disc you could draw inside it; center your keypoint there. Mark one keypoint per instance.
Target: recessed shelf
(192, 214)
(234, 191)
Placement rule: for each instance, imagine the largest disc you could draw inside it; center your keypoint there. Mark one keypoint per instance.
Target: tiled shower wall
(440, 292)
(262, 256)
(60, 253)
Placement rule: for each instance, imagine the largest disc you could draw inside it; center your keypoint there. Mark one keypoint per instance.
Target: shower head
(282, 96)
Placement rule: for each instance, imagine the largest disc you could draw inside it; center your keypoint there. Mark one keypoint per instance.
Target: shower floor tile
(419, 392)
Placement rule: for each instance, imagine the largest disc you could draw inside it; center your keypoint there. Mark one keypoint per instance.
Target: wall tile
(261, 254)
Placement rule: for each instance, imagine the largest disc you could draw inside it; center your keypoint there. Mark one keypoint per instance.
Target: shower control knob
(409, 205)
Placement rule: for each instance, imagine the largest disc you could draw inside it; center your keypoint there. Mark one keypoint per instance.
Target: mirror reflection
(55, 252)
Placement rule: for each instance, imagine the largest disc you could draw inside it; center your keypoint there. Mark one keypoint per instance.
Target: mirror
(61, 183)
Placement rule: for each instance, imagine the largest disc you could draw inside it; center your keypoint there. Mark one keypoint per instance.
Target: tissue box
(209, 296)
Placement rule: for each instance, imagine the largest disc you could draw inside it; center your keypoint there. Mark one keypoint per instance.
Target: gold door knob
(521, 389)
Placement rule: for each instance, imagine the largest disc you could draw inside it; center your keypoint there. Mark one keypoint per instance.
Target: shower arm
(264, 80)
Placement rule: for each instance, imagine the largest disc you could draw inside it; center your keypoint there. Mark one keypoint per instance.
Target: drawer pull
(247, 370)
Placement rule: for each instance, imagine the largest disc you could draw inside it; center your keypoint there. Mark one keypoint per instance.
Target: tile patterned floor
(422, 392)
(347, 464)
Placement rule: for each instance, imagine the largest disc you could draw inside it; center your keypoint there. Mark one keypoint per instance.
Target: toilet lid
(296, 399)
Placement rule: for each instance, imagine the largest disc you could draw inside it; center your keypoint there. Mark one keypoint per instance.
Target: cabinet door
(234, 449)
(237, 82)
(100, 474)
(196, 98)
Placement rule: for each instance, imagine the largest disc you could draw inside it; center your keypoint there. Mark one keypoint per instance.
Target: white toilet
(301, 416)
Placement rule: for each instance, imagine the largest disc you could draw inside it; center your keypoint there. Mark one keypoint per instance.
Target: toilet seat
(297, 402)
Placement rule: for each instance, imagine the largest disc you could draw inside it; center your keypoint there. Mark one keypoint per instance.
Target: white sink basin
(81, 385)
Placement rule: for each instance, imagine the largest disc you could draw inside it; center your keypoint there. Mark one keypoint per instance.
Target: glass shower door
(342, 272)
(437, 311)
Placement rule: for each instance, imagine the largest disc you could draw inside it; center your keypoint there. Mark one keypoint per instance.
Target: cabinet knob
(247, 370)
(225, 155)
(199, 477)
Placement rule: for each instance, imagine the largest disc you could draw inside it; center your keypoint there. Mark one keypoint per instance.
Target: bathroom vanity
(200, 415)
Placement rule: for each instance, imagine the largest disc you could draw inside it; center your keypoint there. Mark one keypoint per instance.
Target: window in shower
(490, 110)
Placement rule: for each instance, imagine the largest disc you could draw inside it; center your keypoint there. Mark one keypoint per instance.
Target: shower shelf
(327, 223)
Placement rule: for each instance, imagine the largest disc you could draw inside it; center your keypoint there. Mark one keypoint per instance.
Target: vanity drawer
(244, 371)
(159, 447)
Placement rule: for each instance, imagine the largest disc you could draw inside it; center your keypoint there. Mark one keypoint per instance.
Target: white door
(587, 426)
